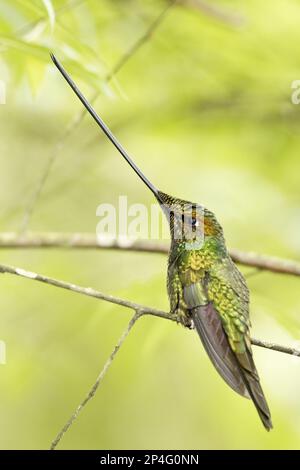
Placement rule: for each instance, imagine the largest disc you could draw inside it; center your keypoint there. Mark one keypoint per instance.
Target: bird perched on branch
(206, 289)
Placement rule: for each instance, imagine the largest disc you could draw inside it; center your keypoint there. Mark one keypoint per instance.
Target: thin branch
(88, 291)
(141, 309)
(268, 263)
(275, 347)
(79, 117)
(89, 241)
(99, 379)
(76, 240)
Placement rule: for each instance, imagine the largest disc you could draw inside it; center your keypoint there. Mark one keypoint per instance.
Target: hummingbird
(205, 288)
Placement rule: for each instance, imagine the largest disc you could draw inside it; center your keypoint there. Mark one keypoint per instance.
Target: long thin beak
(104, 127)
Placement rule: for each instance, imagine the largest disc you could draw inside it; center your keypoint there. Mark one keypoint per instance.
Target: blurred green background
(204, 105)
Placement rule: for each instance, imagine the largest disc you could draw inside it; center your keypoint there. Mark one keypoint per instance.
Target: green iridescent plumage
(206, 289)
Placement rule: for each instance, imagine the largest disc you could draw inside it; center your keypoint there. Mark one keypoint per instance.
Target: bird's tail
(252, 383)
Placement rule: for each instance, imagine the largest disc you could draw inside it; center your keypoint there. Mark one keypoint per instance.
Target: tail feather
(252, 383)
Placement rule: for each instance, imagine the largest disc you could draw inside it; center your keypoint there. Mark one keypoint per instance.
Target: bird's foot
(184, 319)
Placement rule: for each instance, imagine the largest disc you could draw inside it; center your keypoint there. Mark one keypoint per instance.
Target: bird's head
(189, 222)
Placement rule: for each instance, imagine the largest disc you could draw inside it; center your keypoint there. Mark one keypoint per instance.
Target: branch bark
(89, 241)
(141, 309)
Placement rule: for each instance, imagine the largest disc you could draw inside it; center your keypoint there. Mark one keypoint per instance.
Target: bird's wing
(209, 326)
(223, 325)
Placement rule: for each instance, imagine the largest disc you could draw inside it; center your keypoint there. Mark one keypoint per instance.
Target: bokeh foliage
(205, 107)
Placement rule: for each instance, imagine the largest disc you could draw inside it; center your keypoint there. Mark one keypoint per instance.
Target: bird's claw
(185, 320)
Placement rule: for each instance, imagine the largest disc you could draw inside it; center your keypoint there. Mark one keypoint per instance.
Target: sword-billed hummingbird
(205, 288)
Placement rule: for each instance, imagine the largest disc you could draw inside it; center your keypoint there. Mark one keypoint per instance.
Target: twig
(268, 263)
(275, 347)
(89, 241)
(90, 292)
(99, 379)
(76, 240)
(79, 117)
(141, 309)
